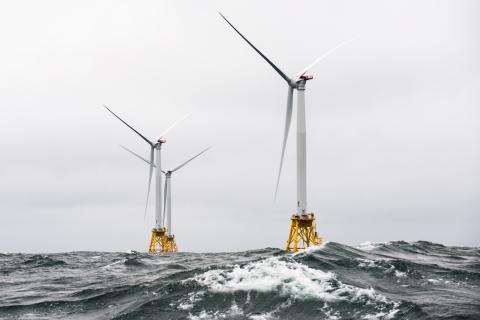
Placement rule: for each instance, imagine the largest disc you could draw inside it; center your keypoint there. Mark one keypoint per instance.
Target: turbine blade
(301, 73)
(288, 120)
(160, 136)
(164, 200)
(283, 75)
(189, 160)
(137, 155)
(149, 179)
(149, 142)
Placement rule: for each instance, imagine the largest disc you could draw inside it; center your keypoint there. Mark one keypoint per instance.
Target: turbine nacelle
(159, 143)
(294, 82)
(306, 77)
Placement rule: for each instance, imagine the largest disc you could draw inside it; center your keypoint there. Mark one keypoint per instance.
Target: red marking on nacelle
(306, 77)
(169, 171)
(162, 141)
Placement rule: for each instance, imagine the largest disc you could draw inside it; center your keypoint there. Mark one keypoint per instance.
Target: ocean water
(394, 280)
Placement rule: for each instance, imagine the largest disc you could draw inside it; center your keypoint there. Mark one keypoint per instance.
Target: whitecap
(383, 315)
(112, 264)
(381, 264)
(400, 274)
(290, 279)
(189, 302)
(311, 249)
(235, 310)
(327, 311)
(369, 245)
(269, 315)
(208, 315)
(185, 306)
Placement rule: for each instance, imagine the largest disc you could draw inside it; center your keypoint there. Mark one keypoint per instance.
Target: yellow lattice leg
(303, 229)
(170, 244)
(290, 235)
(157, 242)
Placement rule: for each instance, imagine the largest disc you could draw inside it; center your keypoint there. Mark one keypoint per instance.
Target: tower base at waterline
(303, 233)
(157, 243)
(170, 244)
(161, 242)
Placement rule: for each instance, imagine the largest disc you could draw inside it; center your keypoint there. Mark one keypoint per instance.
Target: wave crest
(285, 278)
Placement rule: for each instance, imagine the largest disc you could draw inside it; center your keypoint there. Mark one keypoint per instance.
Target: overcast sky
(393, 121)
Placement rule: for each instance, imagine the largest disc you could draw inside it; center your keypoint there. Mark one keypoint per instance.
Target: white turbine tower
(167, 192)
(155, 145)
(298, 82)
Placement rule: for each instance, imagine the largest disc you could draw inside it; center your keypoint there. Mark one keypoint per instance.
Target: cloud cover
(392, 121)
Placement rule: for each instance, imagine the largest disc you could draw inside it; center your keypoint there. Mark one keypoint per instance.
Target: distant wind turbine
(167, 191)
(154, 145)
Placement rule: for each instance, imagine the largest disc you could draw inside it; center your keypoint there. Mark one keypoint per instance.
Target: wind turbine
(171, 246)
(168, 193)
(155, 145)
(298, 82)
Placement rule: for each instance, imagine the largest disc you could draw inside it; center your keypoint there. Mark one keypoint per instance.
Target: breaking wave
(391, 280)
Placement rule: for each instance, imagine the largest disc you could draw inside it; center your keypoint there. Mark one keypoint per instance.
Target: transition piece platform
(161, 242)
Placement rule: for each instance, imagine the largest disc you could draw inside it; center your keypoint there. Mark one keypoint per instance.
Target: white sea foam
(384, 315)
(286, 278)
(381, 264)
(262, 316)
(235, 310)
(185, 306)
(208, 315)
(270, 315)
(400, 274)
(369, 245)
(381, 315)
(328, 312)
(365, 263)
(231, 313)
(311, 249)
(377, 264)
(116, 264)
(190, 300)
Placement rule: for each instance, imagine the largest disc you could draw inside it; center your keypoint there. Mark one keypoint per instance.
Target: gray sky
(393, 121)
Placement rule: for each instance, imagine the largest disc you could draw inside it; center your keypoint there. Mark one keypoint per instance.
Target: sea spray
(391, 280)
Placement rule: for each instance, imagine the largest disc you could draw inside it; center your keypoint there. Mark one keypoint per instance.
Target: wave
(387, 280)
(39, 261)
(291, 280)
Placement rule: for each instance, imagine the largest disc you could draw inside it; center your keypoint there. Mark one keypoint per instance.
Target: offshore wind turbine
(168, 193)
(302, 221)
(155, 148)
(170, 245)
